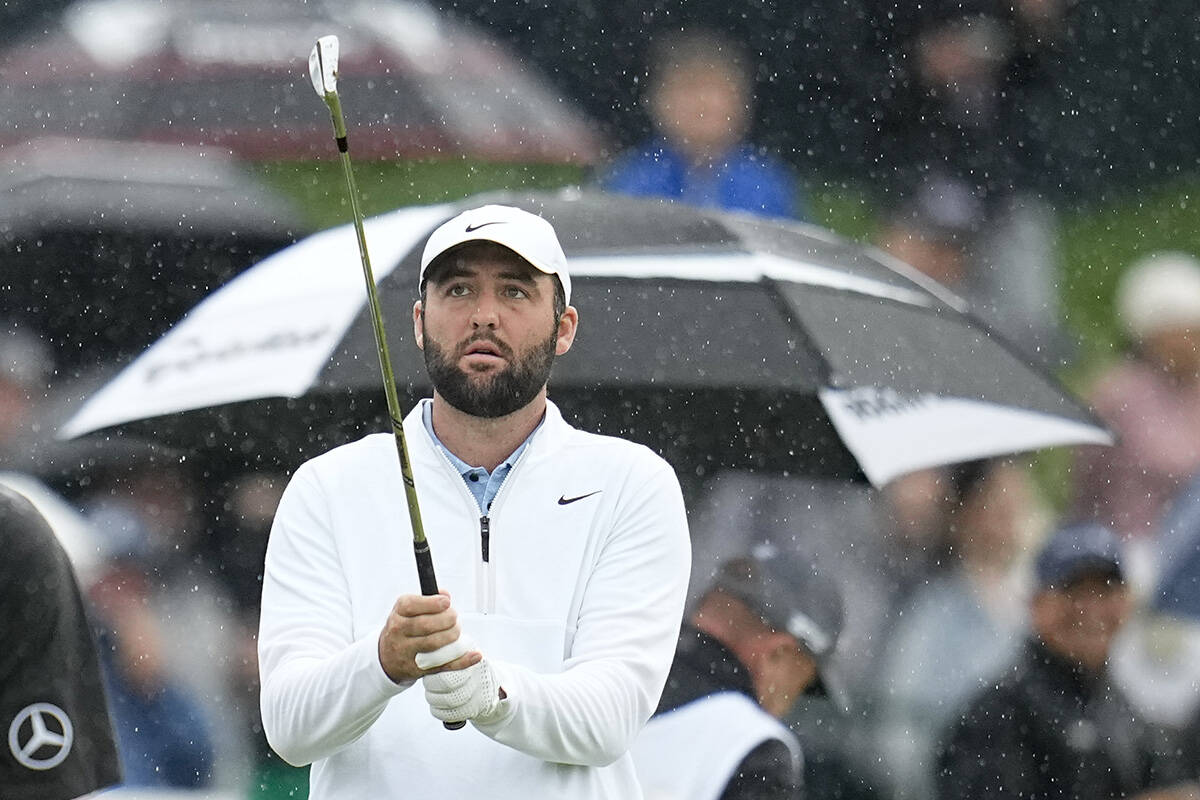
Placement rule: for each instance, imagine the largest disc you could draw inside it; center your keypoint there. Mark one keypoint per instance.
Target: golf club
(323, 69)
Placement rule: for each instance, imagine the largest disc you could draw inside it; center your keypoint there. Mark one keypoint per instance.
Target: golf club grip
(429, 586)
(425, 572)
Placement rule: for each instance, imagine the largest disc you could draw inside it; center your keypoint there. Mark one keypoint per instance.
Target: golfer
(563, 558)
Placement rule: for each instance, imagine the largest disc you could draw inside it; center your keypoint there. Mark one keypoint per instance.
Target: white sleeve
(321, 689)
(628, 627)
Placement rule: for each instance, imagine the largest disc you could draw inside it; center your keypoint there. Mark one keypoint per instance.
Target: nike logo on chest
(564, 500)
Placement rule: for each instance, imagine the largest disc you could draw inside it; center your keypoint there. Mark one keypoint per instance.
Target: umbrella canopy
(728, 339)
(234, 75)
(55, 183)
(95, 228)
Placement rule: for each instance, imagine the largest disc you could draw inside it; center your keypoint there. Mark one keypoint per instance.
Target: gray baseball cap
(798, 598)
(1077, 550)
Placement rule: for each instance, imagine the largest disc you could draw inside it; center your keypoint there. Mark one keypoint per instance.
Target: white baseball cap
(1160, 291)
(527, 235)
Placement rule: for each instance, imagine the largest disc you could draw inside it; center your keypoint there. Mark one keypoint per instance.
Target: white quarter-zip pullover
(572, 586)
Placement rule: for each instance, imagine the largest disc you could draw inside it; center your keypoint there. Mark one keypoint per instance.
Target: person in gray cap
(26, 367)
(759, 638)
(1056, 725)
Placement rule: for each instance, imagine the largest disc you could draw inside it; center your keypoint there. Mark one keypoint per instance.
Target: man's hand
(421, 624)
(459, 695)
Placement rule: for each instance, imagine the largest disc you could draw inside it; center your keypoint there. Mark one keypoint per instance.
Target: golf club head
(322, 66)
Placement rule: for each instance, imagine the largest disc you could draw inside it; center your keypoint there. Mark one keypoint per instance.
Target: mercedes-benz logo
(40, 736)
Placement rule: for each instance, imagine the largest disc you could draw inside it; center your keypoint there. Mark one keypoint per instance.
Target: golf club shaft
(425, 573)
(325, 84)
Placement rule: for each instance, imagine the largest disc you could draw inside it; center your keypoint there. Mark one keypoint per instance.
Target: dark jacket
(1189, 748)
(703, 666)
(50, 687)
(1049, 731)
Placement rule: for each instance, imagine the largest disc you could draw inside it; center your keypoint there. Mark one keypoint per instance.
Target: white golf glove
(459, 695)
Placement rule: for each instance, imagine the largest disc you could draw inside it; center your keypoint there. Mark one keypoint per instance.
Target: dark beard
(504, 392)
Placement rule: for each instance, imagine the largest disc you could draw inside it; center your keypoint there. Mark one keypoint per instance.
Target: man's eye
(458, 290)
(515, 292)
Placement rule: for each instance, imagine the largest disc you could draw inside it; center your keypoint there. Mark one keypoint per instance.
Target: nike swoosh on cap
(564, 500)
(471, 228)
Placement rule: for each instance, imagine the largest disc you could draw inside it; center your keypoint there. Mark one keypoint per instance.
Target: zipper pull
(485, 530)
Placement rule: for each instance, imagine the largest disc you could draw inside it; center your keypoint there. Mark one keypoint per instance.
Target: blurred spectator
(52, 702)
(701, 100)
(1151, 400)
(1177, 568)
(804, 521)
(1055, 725)
(162, 729)
(236, 549)
(170, 643)
(26, 365)
(881, 546)
(1156, 659)
(963, 626)
(884, 543)
(1156, 662)
(1000, 264)
(758, 640)
(969, 82)
(918, 510)
(933, 230)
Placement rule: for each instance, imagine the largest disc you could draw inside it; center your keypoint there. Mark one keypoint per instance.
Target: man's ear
(780, 646)
(568, 323)
(418, 325)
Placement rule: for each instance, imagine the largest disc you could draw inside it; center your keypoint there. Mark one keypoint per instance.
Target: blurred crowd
(946, 580)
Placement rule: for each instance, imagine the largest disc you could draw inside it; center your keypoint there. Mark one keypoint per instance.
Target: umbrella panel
(670, 334)
(687, 335)
(872, 341)
(700, 432)
(817, 246)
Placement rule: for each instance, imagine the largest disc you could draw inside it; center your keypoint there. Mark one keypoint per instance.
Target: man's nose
(486, 313)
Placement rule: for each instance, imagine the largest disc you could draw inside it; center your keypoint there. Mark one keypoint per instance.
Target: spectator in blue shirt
(700, 99)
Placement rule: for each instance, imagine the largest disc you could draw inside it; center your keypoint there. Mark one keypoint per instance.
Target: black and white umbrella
(718, 339)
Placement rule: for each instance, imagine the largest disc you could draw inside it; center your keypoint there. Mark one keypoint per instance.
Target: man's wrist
(402, 681)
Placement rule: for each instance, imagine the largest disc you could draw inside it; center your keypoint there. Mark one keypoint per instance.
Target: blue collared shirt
(482, 484)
